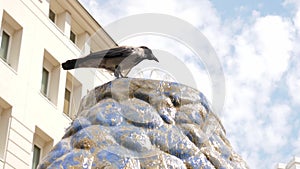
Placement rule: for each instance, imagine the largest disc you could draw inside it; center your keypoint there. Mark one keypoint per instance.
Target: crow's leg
(117, 72)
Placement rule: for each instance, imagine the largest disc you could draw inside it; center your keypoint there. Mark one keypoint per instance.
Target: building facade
(294, 163)
(38, 99)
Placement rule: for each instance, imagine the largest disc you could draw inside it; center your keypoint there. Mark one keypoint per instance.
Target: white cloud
(262, 54)
(109, 11)
(296, 145)
(293, 76)
(263, 49)
(293, 82)
(255, 13)
(297, 20)
(199, 13)
(294, 2)
(258, 127)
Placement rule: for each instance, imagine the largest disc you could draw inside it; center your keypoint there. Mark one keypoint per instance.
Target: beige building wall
(27, 116)
(294, 163)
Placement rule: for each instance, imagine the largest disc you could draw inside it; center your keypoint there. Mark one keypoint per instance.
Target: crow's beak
(154, 58)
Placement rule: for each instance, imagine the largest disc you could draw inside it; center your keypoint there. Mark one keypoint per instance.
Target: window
(11, 39)
(72, 36)
(5, 114)
(4, 45)
(45, 79)
(51, 15)
(42, 144)
(60, 16)
(67, 102)
(36, 156)
(50, 77)
(73, 91)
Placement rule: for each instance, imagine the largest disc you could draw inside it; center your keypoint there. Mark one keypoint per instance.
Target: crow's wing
(107, 59)
(121, 51)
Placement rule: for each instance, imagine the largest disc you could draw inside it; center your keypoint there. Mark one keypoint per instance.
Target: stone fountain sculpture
(139, 123)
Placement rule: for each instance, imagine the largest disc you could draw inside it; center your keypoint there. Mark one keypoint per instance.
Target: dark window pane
(72, 36)
(36, 156)
(67, 101)
(45, 78)
(4, 45)
(52, 15)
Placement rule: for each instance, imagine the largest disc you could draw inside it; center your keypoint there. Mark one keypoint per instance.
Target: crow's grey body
(119, 60)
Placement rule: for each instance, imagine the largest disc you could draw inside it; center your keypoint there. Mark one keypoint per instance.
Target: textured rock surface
(137, 123)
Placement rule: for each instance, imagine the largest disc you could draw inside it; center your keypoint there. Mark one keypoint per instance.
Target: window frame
(75, 88)
(5, 122)
(54, 69)
(15, 31)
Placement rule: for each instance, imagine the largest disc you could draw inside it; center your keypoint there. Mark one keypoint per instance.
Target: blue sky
(257, 43)
(244, 8)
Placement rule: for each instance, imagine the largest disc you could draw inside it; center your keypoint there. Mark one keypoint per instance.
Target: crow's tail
(70, 64)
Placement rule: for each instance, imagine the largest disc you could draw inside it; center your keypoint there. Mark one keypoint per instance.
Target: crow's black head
(148, 53)
(144, 47)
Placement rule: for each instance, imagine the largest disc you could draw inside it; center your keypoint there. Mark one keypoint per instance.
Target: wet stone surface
(138, 123)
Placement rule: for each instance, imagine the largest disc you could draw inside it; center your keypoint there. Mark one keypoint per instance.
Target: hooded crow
(119, 60)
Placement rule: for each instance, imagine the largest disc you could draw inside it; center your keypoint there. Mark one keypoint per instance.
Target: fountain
(142, 123)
